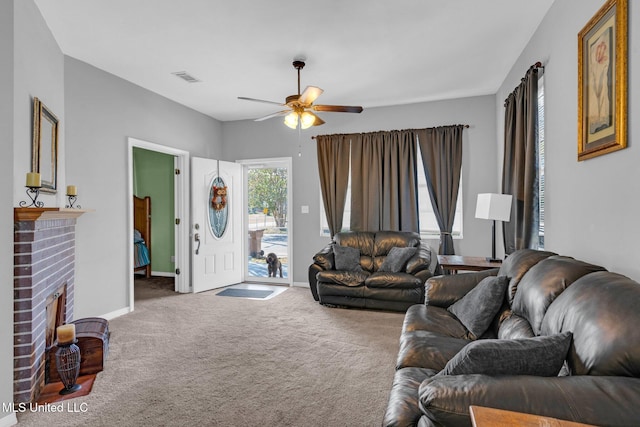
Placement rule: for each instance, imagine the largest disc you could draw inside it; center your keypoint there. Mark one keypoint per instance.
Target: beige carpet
(207, 360)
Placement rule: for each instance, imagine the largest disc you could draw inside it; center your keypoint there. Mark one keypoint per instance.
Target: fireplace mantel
(35, 214)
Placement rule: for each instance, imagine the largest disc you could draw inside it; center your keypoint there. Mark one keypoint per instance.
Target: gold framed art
(602, 82)
(44, 151)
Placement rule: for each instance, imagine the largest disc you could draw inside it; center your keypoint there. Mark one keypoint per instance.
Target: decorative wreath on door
(219, 200)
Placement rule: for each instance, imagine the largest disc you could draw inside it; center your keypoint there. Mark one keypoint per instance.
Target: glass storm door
(268, 220)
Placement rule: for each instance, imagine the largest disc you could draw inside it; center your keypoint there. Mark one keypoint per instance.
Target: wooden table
(453, 263)
(485, 417)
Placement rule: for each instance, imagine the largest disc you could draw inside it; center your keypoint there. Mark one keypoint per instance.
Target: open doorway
(156, 173)
(268, 218)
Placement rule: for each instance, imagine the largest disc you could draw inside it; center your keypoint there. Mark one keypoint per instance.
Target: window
(541, 161)
(428, 223)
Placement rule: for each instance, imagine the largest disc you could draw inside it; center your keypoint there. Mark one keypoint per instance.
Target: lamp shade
(291, 120)
(494, 206)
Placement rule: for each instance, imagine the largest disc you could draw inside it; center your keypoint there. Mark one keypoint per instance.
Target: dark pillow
(480, 305)
(397, 259)
(346, 258)
(542, 356)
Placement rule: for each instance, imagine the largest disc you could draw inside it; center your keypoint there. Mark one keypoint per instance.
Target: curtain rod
(465, 126)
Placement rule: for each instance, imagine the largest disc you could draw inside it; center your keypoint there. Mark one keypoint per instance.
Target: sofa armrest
(324, 258)
(421, 261)
(314, 269)
(442, 291)
(596, 400)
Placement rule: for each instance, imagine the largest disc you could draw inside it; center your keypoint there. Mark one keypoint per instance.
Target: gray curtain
(441, 150)
(384, 182)
(333, 167)
(520, 167)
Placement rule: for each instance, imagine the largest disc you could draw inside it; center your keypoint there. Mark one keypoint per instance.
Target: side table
(454, 263)
(490, 417)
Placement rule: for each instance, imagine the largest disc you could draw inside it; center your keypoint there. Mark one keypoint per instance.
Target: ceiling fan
(301, 108)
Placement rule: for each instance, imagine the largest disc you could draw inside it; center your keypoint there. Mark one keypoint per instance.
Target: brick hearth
(44, 262)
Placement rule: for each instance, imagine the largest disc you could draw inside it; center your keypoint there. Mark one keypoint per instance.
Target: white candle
(72, 190)
(33, 179)
(66, 333)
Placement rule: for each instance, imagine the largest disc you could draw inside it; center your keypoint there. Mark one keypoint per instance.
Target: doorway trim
(246, 163)
(181, 207)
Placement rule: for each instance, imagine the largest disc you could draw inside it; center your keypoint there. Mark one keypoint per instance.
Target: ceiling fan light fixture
(307, 120)
(291, 120)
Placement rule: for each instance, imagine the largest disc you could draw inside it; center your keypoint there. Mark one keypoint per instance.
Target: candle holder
(68, 364)
(33, 193)
(72, 199)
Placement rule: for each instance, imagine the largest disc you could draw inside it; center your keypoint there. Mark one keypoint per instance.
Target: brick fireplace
(44, 264)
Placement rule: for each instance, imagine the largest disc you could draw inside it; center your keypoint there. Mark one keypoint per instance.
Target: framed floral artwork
(602, 82)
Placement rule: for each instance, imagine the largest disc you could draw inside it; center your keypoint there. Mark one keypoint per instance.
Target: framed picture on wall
(44, 151)
(602, 81)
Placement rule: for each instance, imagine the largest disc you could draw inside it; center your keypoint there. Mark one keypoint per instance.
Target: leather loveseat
(381, 270)
(565, 343)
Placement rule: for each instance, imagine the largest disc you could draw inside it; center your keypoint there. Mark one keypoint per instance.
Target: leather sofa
(366, 283)
(546, 297)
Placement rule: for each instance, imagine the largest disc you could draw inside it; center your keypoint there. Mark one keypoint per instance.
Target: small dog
(273, 264)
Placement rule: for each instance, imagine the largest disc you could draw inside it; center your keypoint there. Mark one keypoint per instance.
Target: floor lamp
(496, 207)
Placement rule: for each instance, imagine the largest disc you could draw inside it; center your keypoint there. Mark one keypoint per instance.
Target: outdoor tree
(268, 188)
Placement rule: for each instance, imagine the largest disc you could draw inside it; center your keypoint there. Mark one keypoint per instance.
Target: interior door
(216, 211)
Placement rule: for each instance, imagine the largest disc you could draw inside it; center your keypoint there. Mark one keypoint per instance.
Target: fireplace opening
(56, 308)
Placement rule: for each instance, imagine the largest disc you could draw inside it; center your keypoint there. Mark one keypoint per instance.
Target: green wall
(153, 176)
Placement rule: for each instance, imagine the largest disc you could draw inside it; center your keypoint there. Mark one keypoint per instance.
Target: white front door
(216, 221)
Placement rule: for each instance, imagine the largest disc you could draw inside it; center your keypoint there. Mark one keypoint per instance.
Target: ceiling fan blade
(279, 113)
(337, 108)
(259, 100)
(310, 94)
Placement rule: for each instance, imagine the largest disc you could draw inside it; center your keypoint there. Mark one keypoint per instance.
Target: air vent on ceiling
(186, 77)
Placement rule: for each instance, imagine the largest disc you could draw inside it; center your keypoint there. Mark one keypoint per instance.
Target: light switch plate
(304, 209)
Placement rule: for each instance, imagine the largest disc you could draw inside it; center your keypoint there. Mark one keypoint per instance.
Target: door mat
(244, 293)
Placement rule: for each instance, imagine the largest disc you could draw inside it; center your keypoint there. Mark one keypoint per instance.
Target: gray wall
(38, 72)
(102, 111)
(591, 207)
(248, 139)
(32, 65)
(6, 206)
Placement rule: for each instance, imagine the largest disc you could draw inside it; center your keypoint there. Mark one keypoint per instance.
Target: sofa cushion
(543, 283)
(393, 280)
(346, 278)
(396, 259)
(480, 305)
(346, 258)
(517, 264)
(384, 241)
(514, 326)
(363, 240)
(601, 309)
(541, 356)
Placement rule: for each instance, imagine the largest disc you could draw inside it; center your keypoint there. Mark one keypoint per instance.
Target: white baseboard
(301, 284)
(9, 420)
(163, 274)
(114, 314)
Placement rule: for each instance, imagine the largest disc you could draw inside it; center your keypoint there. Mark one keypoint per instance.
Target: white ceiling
(361, 52)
